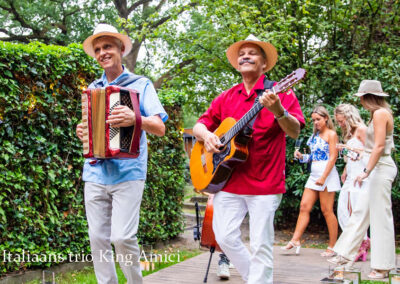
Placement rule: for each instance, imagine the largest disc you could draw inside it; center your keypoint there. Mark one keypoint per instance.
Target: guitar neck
(283, 85)
(241, 123)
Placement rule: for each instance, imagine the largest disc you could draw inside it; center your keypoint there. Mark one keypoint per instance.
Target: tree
(50, 21)
(64, 22)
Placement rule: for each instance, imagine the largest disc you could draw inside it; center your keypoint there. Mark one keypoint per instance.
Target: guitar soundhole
(219, 157)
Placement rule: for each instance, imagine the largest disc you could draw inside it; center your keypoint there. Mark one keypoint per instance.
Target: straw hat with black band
(106, 30)
(270, 51)
(372, 87)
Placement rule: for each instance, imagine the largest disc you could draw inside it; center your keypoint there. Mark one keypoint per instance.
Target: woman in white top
(353, 134)
(323, 181)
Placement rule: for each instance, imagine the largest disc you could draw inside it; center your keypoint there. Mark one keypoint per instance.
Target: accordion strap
(135, 145)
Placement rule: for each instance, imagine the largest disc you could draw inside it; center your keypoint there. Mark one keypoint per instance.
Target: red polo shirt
(264, 170)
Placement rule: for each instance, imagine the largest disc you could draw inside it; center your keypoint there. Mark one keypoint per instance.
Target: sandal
(290, 245)
(338, 260)
(378, 274)
(328, 253)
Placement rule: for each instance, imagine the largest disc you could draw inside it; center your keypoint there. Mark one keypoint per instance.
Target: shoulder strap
(135, 143)
(123, 82)
(267, 86)
(129, 80)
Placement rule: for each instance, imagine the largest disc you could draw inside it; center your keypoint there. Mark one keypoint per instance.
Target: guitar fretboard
(283, 85)
(241, 123)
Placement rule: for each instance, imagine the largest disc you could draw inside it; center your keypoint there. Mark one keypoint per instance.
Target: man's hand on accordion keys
(121, 116)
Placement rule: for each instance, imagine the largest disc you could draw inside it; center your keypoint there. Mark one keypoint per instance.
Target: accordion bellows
(100, 140)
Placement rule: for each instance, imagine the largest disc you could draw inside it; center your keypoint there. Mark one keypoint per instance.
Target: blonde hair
(372, 103)
(321, 111)
(352, 119)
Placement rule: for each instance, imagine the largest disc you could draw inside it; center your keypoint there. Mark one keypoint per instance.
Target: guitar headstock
(290, 80)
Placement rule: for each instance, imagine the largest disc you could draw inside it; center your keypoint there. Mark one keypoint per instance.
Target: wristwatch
(284, 115)
(366, 171)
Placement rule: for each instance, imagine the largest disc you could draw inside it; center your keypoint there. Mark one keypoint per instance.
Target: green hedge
(41, 191)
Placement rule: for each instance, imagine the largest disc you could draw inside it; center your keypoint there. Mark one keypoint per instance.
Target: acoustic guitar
(210, 171)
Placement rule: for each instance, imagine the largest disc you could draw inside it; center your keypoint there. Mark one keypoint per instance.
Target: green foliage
(41, 191)
(61, 22)
(164, 191)
(40, 162)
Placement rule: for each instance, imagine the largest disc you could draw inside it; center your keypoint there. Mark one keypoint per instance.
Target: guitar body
(207, 234)
(211, 171)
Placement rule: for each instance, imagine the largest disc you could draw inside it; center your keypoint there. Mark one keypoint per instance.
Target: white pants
(255, 267)
(374, 207)
(113, 216)
(347, 201)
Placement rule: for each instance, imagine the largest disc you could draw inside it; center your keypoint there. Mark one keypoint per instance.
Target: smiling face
(108, 53)
(251, 59)
(319, 121)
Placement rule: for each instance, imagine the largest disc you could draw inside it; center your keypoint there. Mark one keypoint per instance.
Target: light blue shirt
(113, 171)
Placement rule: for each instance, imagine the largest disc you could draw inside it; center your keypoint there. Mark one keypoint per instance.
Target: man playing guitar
(255, 186)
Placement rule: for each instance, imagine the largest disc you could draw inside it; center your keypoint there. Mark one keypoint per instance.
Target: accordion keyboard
(127, 131)
(115, 132)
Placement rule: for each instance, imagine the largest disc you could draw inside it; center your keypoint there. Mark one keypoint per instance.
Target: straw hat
(270, 51)
(370, 87)
(106, 30)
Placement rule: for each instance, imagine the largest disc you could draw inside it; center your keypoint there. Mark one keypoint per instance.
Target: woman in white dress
(323, 181)
(353, 134)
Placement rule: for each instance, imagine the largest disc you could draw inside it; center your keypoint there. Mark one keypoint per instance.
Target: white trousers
(346, 203)
(373, 208)
(256, 266)
(113, 216)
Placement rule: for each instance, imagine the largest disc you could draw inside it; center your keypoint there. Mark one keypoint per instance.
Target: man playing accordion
(114, 187)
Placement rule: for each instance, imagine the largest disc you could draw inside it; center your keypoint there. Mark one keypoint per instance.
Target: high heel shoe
(291, 245)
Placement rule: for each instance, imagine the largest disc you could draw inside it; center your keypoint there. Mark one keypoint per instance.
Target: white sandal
(328, 252)
(376, 274)
(291, 245)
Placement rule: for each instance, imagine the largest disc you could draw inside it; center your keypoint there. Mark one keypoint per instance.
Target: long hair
(352, 119)
(321, 111)
(372, 103)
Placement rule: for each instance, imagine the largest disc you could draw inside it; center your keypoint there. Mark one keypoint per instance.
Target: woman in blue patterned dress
(323, 181)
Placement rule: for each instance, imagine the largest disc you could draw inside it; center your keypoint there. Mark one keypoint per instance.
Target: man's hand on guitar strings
(272, 102)
(121, 116)
(212, 143)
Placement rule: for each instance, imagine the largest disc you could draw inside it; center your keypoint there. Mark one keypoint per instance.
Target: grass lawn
(87, 275)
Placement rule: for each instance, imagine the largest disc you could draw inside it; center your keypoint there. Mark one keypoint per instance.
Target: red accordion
(100, 140)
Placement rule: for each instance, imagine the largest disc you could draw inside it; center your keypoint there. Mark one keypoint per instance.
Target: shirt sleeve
(291, 104)
(150, 104)
(212, 117)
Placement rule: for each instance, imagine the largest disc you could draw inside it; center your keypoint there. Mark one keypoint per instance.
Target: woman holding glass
(375, 208)
(323, 181)
(353, 132)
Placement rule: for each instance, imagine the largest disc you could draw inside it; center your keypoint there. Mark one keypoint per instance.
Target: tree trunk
(131, 59)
